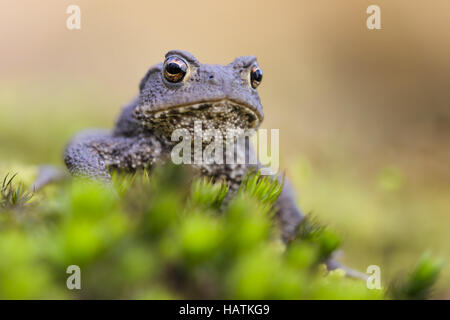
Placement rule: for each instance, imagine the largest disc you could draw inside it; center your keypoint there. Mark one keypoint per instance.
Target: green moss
(171, 235)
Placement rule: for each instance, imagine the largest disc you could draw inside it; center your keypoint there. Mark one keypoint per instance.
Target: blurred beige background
(327, 79)
(363, 110)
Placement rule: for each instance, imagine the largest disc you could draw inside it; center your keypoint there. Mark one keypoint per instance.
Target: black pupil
(173, 68)
(257, 75)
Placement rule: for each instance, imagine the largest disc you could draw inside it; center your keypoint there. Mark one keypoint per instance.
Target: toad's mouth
(222, 115)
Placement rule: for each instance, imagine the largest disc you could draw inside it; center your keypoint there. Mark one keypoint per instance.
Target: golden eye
(175, 69)
(255, 76)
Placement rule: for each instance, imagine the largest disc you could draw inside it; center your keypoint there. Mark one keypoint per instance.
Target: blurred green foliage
(171, 235)
(419, 283)
(387, 217)
(10, 196)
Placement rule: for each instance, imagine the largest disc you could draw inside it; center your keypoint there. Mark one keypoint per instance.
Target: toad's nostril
(212, 79)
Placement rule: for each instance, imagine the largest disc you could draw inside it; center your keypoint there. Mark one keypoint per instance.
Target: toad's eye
(255, 76)
(175, 69)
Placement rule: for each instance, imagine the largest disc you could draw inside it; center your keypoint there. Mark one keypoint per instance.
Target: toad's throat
(220, 115)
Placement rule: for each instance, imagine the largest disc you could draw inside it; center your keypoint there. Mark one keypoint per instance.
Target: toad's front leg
(94, 154)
